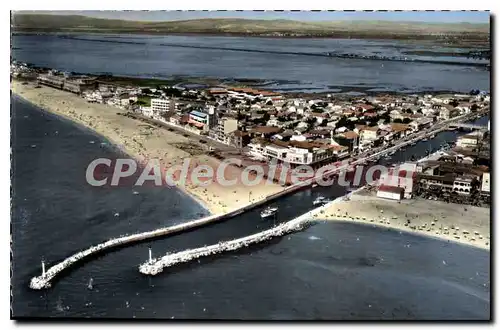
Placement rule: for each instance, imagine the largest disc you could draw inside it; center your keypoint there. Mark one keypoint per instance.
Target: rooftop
(266, 129)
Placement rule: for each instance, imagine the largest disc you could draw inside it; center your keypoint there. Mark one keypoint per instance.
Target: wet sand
(460, 223)
(144, 141)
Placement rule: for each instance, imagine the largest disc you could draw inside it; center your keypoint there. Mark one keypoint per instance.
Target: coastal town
(263, 126)
(251, 165)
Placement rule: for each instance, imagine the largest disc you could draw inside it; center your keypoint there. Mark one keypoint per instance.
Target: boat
(320, 200)
(270, 211)
(90, 286)
(424, 139)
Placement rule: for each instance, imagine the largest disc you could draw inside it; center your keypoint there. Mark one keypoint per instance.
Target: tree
(311, 120)
(453, 103)
(398, 121)
(406, 121)
(343, 121)
(269, 102)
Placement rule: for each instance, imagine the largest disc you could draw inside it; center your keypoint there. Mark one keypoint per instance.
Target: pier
(156, 266)
(44, 280)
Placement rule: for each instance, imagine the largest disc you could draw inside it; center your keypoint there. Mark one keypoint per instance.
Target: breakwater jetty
(156, 266)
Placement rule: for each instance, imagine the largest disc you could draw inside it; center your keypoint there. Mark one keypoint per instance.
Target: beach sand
(144, 142)
(461, 223)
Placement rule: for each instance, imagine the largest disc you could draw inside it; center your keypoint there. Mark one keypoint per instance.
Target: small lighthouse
(43, 268)
(150, 256)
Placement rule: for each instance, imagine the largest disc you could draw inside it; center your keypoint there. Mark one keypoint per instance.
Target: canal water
(329, 271)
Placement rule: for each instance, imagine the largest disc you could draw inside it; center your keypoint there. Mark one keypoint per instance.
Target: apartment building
(221, 131)
(298, 153)
(159, 106)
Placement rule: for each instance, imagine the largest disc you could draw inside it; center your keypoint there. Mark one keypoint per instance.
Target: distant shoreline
(462, 43)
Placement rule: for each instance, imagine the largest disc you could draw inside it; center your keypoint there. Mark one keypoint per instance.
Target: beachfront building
(403, 176)
(436, 183)
(390, 192)
(298, 153)
(74, 85)
(161, 106)
(485, 185)
(221, 132)
(51, 80)
(226, 131)
(462, 185)
(198, 121)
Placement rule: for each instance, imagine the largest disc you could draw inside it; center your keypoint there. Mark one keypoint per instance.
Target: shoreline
(113, 144)
(405, 230)
(409, 36)
(142, 141)
(367, 210)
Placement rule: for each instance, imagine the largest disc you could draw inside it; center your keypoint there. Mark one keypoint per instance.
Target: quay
(44, 280)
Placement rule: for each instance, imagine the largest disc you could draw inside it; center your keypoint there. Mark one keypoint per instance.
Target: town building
(403, 177)
(390, 192)
(162, 106)
(199, 119)
(225, 126)
(485, 185)
(468, 141)
(297, 153)
(74, 84)
(462, 185)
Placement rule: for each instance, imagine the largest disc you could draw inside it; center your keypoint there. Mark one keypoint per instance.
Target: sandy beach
(460, 223)
(144, 141)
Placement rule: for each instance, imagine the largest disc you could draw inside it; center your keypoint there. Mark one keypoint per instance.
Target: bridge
(44, 280)
(468, 126)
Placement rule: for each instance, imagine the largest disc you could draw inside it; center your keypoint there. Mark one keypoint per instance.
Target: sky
(418, 16)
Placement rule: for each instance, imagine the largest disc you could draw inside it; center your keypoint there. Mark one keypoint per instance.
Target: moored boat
(320, 200)
(269, 211)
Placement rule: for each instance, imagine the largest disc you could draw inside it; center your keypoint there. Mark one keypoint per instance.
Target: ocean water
(328, 271)
(167, 56)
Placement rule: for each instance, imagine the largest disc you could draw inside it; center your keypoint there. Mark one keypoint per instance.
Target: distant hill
(355, 29)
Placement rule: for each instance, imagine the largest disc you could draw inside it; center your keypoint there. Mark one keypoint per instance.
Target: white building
(390, 192)
(468, 141)
(159, 106)
(462, 185)
(485, 184)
